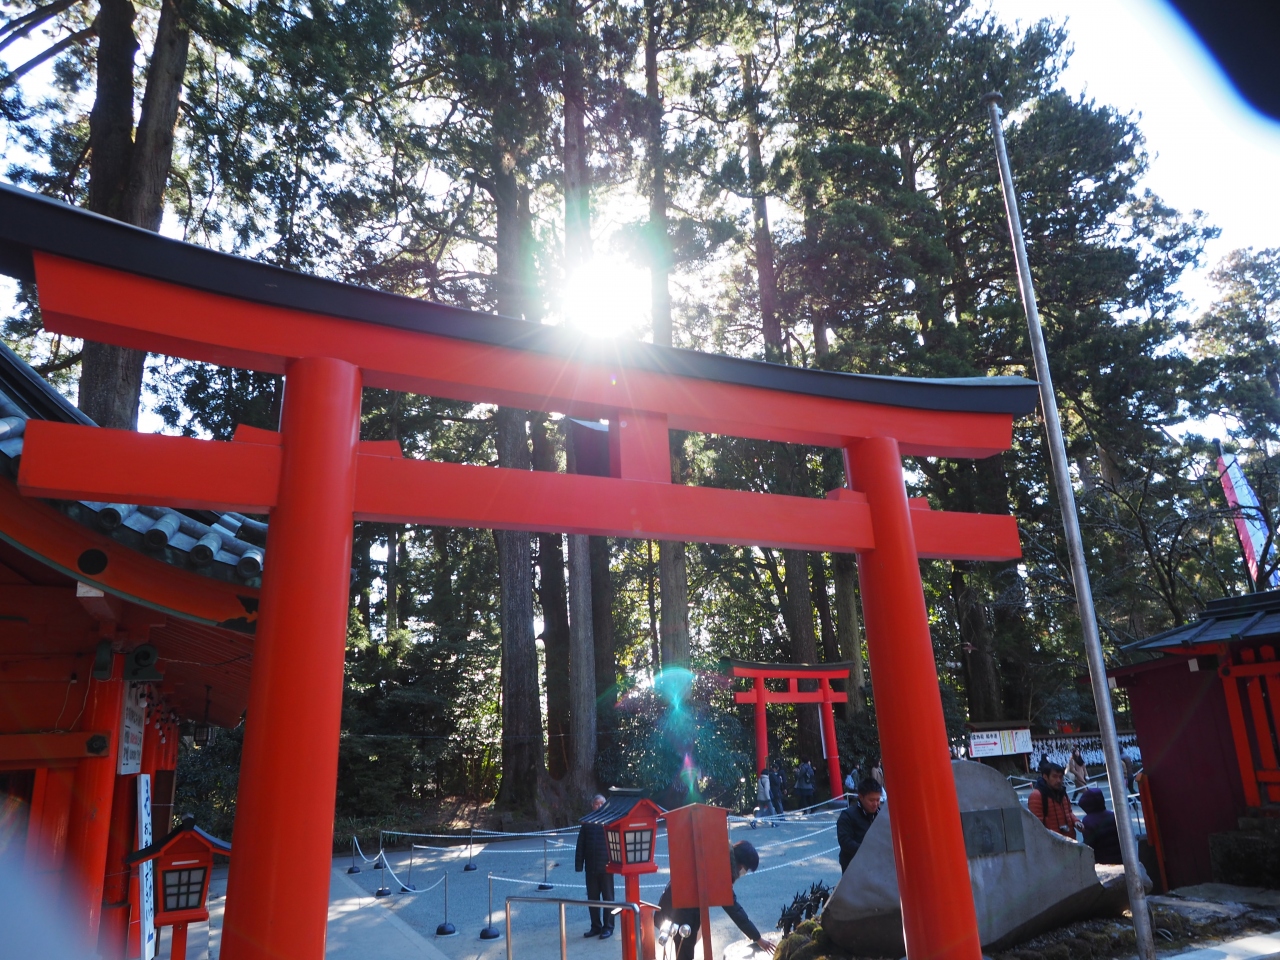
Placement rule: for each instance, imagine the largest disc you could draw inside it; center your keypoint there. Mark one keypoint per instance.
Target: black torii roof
(30, 223)
(188, 826)
(1255, 616)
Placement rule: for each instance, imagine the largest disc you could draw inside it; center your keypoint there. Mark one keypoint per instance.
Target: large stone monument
(1025, 879)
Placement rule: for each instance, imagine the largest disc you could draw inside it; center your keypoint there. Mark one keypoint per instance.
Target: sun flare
(609, 297)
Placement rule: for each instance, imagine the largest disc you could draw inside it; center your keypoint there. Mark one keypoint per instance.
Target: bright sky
(1210, 150)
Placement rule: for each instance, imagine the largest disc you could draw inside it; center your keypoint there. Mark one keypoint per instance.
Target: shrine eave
(30, 223)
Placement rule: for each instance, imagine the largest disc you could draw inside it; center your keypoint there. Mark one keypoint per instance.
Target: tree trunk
(804, 644)
(577, 174)
(849, 627)
(153, 146)
(822, 602)
(812, 237)
(981, 678)
(673, 577)
(521, 707)
(126, 179)
(602, 634)
(392, 580)
(659, 239)
(583, 657)
(555, 623)
(766, 276)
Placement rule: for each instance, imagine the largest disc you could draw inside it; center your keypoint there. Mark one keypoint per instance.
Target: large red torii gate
(108, 282)
(824, 696)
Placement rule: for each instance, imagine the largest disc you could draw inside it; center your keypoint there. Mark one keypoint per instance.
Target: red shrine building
(117, 623)
(138, 559)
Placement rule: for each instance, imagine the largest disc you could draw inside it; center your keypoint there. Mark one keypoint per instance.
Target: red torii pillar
(824, 696)
(315, 477)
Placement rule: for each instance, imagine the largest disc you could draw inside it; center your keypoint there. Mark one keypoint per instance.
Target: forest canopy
(812, 184)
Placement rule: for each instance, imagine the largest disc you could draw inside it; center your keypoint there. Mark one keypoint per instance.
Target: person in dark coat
(743, 859)
(775, 787)
(856, 819)
(591, 856)
(1099, 826)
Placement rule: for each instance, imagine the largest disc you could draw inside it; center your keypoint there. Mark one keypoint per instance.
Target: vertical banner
(146, 871)
(1251, 521)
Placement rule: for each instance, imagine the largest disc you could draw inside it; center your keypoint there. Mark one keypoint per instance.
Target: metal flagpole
(1075, 547)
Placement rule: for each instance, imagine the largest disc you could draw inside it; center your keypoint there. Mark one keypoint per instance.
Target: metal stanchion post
(544, 885)
(408, 886)
(1075, 544)
(353, 868)
(489, 932)
(383, 890)
(471, 836)
(446, 929)
(564, 937)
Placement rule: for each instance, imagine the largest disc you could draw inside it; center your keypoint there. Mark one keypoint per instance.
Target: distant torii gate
(761, 696)
(112, 283)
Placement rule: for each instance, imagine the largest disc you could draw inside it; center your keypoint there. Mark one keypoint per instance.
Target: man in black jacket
(592, 855)
(857, 818)
(743, 859)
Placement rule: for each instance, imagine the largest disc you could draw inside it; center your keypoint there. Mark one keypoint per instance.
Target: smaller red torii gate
(793, 673)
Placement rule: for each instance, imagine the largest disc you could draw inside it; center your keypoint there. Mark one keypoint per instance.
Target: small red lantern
(630, 828)
(184, 862)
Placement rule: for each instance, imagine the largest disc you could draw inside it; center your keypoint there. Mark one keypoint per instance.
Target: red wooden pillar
(938, 918)
(762, 726)
(1239, 733)
(89, 827)
(631, 893)
(829, 736)
(278, 886)
(113, 935)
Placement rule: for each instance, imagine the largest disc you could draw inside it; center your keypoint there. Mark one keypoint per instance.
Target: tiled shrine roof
(1255, 616)
(227, 546)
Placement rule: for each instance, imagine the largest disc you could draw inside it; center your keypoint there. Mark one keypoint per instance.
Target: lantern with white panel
(184, 862)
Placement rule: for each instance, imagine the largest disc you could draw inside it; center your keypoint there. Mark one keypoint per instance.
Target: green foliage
(675, 739)
(207, 777)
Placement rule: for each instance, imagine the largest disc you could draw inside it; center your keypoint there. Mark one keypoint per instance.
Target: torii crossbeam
(108, 282)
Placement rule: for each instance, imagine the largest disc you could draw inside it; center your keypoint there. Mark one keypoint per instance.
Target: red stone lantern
(184, 862)
(630, 829)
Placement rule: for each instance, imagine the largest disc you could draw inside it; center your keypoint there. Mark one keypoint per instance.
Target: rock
(1199, 911)
(1024, 879)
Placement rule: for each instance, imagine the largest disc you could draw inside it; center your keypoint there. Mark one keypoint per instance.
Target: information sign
(133, 721)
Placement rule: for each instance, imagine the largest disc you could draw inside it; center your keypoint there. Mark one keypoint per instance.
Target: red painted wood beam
(782, 673)
(773, 696)
(80, 300)
(68, 461)
(40, 747)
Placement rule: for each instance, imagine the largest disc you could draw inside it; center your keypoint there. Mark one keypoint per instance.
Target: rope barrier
(790, 863)
(361, 852)
(572, 886)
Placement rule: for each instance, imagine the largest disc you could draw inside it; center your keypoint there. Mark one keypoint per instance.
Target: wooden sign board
(698, 838)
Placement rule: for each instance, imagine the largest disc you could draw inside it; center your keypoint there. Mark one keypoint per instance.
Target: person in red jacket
(1049, 802)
